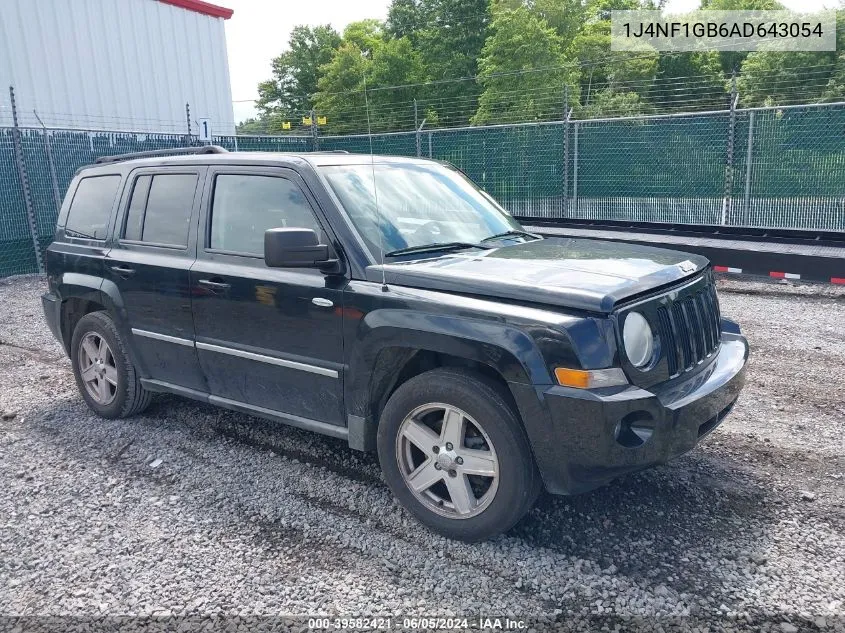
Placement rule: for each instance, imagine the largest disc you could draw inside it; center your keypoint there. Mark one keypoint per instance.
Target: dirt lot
(192, 510)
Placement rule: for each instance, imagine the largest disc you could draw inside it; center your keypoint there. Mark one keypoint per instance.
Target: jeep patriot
(391, 303)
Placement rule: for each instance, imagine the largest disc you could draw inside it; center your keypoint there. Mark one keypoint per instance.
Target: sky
(259, 30)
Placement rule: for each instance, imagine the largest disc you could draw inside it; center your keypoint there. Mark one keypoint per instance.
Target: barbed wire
(645, 95)
(656, 94)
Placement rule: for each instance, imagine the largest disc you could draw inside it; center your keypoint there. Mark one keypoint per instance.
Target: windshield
(420, 204)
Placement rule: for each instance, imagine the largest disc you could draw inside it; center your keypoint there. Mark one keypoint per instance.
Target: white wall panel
(126, 65)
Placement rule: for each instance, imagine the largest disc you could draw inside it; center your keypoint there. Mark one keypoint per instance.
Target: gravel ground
(191, 510)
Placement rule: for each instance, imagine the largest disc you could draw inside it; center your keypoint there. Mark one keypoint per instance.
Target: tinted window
(246, 206)
(91, 207)
(168, 213)
(137, 205)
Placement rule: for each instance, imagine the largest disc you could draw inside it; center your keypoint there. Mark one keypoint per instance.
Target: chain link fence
(765, 167)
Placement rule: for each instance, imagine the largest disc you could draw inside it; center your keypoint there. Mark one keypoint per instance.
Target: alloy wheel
(97, 368)
(447, 460)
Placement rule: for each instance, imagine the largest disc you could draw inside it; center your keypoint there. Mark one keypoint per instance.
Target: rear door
(268, 339)
(150, 263)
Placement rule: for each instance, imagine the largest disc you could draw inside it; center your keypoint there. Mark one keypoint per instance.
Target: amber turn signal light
(590, 378)
(573, 377)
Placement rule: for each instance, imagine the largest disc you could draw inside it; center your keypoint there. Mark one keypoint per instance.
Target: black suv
(393, 304)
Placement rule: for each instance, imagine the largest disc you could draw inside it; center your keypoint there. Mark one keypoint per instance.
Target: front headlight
(638, 339)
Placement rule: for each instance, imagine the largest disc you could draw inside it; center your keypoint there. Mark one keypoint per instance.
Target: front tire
(104, 374)
(454, 453)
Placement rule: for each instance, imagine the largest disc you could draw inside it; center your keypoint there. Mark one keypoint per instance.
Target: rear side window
(91, 207)
(245, 206)
(160, 209)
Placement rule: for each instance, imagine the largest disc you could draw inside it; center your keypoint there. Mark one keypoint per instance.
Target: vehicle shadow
(666, 525)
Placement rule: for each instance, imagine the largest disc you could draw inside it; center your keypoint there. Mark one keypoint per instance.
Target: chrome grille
(690, 329)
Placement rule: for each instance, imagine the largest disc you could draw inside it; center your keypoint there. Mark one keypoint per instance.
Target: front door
(268, 339)
(150, 263)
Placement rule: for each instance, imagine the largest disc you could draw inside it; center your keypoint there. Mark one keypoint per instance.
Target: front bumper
(583, 439)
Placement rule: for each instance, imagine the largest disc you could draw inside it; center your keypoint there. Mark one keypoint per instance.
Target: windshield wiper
(513, 232)
(442, 246)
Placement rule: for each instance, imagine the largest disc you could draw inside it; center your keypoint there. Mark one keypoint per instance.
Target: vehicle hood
(583, 274)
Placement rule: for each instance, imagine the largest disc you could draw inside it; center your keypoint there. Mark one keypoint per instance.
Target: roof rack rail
(330, 151)
(174, 151)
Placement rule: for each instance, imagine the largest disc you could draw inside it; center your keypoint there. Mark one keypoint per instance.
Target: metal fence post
(429, 145)
(27, 194)
(417, 128)
(315, 143)
(748, 158)
(575, 171)
(566, 163)
(188, 120)
(57, 200)
(727, 201)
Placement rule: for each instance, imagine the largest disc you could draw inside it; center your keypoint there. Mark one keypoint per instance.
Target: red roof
(206, 8)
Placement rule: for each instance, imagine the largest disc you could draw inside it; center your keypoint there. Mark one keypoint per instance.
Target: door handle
(123, 270)
(213, 284)
(323, 303)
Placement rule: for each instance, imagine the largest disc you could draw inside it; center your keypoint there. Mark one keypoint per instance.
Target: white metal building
(124, 65)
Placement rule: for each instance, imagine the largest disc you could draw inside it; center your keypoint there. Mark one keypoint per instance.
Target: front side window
(160, 209)
(245, 206)
(415, 204)
(91, 207)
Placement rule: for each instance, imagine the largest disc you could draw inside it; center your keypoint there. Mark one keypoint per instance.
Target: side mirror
(294, 248)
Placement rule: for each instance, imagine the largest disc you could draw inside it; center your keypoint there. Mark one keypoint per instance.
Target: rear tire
(104, 374)
(455, 454)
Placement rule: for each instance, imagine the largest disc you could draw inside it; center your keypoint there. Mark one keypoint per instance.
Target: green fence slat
(16, 251)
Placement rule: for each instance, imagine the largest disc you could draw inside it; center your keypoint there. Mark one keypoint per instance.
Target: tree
(394, 74)
(252, 125)
(483, 61)
(296, 73)
(389, 70)
(689, 81)
(449, 45)
(522, 70)
(405, 18)
(835, 89)
(608, 102)
(367, 35)
(785, 78)
(732, 60)
(601, 71)
(340, 95)
(564, 16)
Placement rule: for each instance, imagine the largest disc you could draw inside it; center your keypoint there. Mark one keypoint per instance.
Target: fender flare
(103, 292)
(387, 338)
